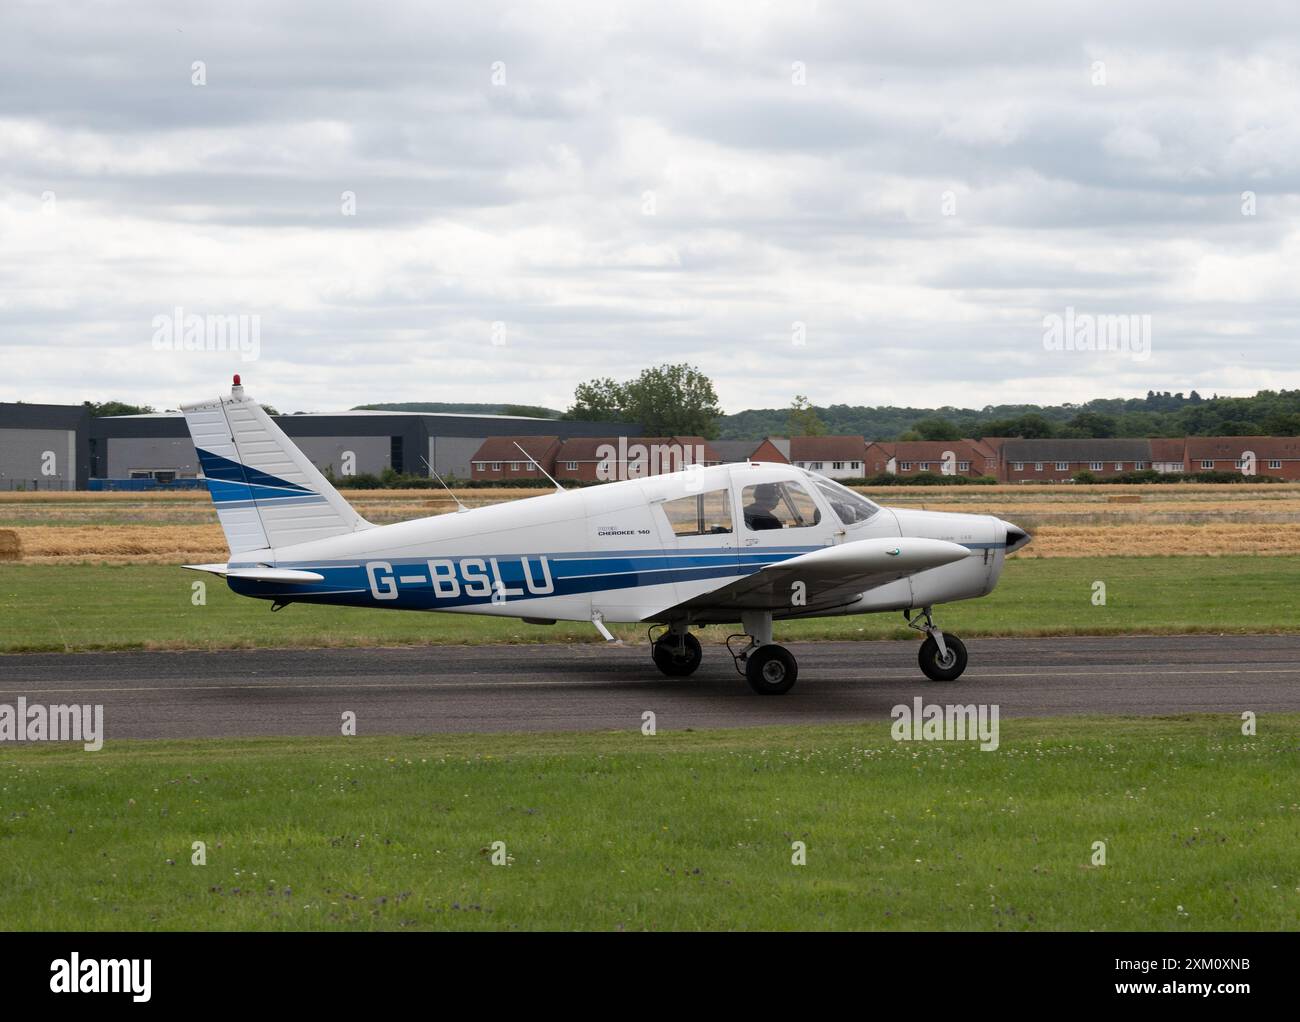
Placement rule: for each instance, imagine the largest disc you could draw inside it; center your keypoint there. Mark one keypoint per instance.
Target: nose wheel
(942, 655)
(771, 670)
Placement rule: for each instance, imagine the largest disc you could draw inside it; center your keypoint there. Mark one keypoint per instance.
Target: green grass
(677, 831)
(78, 607)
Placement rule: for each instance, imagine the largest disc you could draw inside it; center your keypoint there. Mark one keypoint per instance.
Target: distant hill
(1159, 414)
(533, 411)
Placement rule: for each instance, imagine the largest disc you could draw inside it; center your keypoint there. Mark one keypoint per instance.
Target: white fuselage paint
(467, 553)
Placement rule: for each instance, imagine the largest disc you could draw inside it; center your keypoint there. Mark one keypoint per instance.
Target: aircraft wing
(832, 575)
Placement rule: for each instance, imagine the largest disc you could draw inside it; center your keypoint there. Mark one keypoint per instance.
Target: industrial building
(44, 447)
(63, 447)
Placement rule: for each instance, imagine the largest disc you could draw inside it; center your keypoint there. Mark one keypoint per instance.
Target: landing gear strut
(942, 657)
(770, 669)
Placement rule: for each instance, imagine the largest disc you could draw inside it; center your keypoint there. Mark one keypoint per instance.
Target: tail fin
(267, 493)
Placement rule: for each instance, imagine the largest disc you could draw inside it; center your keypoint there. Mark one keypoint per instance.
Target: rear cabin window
(784, 505)
(702, 514)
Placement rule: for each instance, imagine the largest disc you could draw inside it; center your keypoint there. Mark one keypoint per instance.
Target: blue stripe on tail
(230, 483)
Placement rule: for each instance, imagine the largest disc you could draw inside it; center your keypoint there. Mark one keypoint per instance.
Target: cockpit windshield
(851, 508)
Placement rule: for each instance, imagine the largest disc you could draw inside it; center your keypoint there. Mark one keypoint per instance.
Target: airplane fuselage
(611, 551)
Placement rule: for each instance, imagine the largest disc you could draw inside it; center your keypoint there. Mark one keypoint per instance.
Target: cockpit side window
(780, 505)
(851, 508)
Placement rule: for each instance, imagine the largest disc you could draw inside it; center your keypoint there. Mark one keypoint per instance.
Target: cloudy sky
(864, 203)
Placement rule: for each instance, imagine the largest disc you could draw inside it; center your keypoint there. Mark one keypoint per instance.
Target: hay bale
(1124, 498)
(10, 548)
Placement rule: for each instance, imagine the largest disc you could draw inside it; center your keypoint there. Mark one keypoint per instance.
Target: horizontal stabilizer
(260, 574)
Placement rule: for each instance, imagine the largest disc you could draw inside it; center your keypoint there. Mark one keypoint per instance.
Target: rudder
(267, 494)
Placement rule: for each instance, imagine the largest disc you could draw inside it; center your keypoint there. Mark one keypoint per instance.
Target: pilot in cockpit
(758, 515)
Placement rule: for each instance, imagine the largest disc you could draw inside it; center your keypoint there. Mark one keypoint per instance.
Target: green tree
(1033, 427)
(528, 411)
(101, 408)
(598, 400)
(667, 400)
(1093, 424)
(936, 429)
(674, 400)
(802, 419)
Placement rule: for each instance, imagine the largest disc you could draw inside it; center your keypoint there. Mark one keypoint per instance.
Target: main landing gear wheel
(938, 667)
(771, 670)
(677, 655)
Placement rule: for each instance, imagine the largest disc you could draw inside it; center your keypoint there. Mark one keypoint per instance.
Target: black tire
(771, 670)
(939, 670)
(677, 659)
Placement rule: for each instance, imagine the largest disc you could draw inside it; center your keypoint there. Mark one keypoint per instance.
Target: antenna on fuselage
(459, 506)
(538, 465)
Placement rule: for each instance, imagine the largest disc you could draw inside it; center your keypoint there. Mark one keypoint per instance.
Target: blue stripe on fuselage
(570, 574)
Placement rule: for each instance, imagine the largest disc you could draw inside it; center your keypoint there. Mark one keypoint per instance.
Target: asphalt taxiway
(556, 687)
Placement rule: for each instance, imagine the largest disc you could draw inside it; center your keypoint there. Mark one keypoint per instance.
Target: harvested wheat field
(177, 544)
(1161, 540)
(122, 544)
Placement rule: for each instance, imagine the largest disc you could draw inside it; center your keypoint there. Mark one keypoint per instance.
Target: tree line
(679, 400)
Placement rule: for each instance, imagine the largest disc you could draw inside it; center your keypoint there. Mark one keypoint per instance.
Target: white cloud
(647, 184)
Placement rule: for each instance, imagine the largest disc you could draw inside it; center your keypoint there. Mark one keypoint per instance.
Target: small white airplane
(749, 543)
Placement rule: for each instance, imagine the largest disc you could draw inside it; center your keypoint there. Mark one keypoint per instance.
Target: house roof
(1168, 449)
(1222, 448)
(934, 450)
(502, 448)
(735, 450)
(1084, 450)
(827, 448)
(780, 444)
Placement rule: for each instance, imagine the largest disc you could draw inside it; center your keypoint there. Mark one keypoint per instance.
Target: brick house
(772, 448)
(1277, 456)
(1169, 454)
(838, 457)
(1055, 461)
(498, 459)
(970, 458)
(602, 459)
